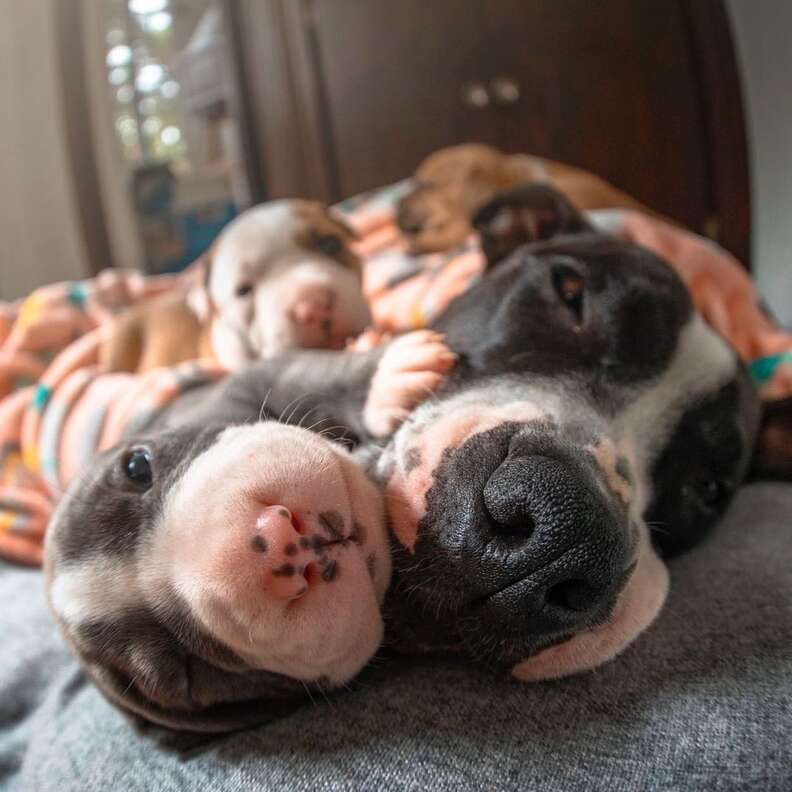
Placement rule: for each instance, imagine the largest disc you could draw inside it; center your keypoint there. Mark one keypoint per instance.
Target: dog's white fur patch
(94, 589)
(701, 363)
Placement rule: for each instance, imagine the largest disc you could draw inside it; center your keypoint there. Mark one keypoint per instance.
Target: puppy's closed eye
(709, 491)
(329, 244)
(570, 288)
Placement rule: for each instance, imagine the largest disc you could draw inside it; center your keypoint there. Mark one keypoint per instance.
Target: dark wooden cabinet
(347, 95)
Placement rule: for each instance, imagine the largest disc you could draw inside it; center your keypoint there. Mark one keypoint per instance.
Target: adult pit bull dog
(588, 404)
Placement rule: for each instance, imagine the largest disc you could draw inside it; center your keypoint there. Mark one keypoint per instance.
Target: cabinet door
(609, 86)
(392, 75)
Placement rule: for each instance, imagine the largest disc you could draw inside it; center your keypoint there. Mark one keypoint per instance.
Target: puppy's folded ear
(528, 213)
(145, 670)
(338, 220)
(198, 297)
(773, 456)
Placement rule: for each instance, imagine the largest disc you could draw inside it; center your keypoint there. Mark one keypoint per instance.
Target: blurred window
(171, 92)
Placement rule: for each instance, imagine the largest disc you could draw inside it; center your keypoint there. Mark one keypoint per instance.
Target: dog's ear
(198, 298)
(528, 213)
(338, 220)
(773, 455)
(153, 679)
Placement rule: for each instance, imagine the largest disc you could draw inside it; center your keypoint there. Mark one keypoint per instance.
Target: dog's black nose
(562, 549)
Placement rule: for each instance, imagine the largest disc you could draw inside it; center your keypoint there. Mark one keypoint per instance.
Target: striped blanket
(57, 409)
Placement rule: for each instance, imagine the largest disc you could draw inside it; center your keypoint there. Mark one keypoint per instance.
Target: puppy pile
(223, 561)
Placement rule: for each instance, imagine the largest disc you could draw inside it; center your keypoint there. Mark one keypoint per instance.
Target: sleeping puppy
(453, 183)
(218, 566)
(591, 418)
(280, 276)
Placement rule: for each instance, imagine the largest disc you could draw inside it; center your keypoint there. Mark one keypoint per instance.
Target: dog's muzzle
(540, 544)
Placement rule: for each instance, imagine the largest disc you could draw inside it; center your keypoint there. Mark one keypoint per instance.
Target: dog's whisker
(264, 405)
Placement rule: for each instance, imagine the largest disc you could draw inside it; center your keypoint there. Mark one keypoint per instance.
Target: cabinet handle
(505, 91)
(475, 95)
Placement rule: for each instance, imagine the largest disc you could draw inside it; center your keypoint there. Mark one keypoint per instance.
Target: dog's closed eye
(570, 288)
(329, 244)
(709, 491)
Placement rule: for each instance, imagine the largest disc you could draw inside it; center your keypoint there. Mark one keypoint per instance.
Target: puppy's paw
(412, 369)
(368, 340)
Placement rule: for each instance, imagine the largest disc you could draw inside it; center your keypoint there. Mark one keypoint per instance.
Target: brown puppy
(454, 182)
(280, 276)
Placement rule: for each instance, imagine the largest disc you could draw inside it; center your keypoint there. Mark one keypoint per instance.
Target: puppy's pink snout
(278, 541)
(312, 306)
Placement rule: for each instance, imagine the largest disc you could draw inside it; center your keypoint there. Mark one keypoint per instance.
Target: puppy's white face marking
(234, 562)
(701, 364)
(272, 291)
(94, 590)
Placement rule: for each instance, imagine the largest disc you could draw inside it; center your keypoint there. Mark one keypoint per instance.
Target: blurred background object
(150, 123)
(171, 94)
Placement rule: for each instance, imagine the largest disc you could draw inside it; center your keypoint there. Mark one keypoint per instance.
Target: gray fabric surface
(701, 701)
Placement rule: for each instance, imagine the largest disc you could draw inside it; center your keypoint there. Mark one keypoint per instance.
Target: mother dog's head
(593, 422)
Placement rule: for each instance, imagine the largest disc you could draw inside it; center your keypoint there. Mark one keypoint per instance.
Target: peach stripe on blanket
(51, 429)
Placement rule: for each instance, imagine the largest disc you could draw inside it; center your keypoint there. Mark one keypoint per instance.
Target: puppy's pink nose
(278, 541)
(312, 306)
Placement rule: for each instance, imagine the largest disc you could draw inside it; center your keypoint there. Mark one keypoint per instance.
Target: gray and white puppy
(218, 565)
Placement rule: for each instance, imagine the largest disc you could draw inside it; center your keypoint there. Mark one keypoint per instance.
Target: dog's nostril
(574, 595)
(516, 530)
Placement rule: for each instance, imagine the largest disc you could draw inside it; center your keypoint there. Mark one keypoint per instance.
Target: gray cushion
(702, 701)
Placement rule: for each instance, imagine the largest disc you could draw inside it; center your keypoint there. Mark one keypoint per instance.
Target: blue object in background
(198, 228)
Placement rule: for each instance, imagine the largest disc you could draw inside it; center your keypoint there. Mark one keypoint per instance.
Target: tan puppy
(454, 182)
(280, 276)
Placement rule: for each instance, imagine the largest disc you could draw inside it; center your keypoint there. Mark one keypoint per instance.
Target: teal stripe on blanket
(762, 369)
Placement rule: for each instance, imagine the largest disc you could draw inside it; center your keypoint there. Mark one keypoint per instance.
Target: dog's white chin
(636, 608)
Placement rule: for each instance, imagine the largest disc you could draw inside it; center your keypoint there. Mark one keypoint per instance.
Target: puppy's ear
(198, 298)
(528, 213)
(344, 228)
(773, 456)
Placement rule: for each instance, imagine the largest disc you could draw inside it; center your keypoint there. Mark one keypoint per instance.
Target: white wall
(39, 233)
(763, 33)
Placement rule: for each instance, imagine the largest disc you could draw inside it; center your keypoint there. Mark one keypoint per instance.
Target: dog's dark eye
(709, 492)
(570, 288)
(329, 244)
(244, 289)
(137, 466)
(712, 492)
